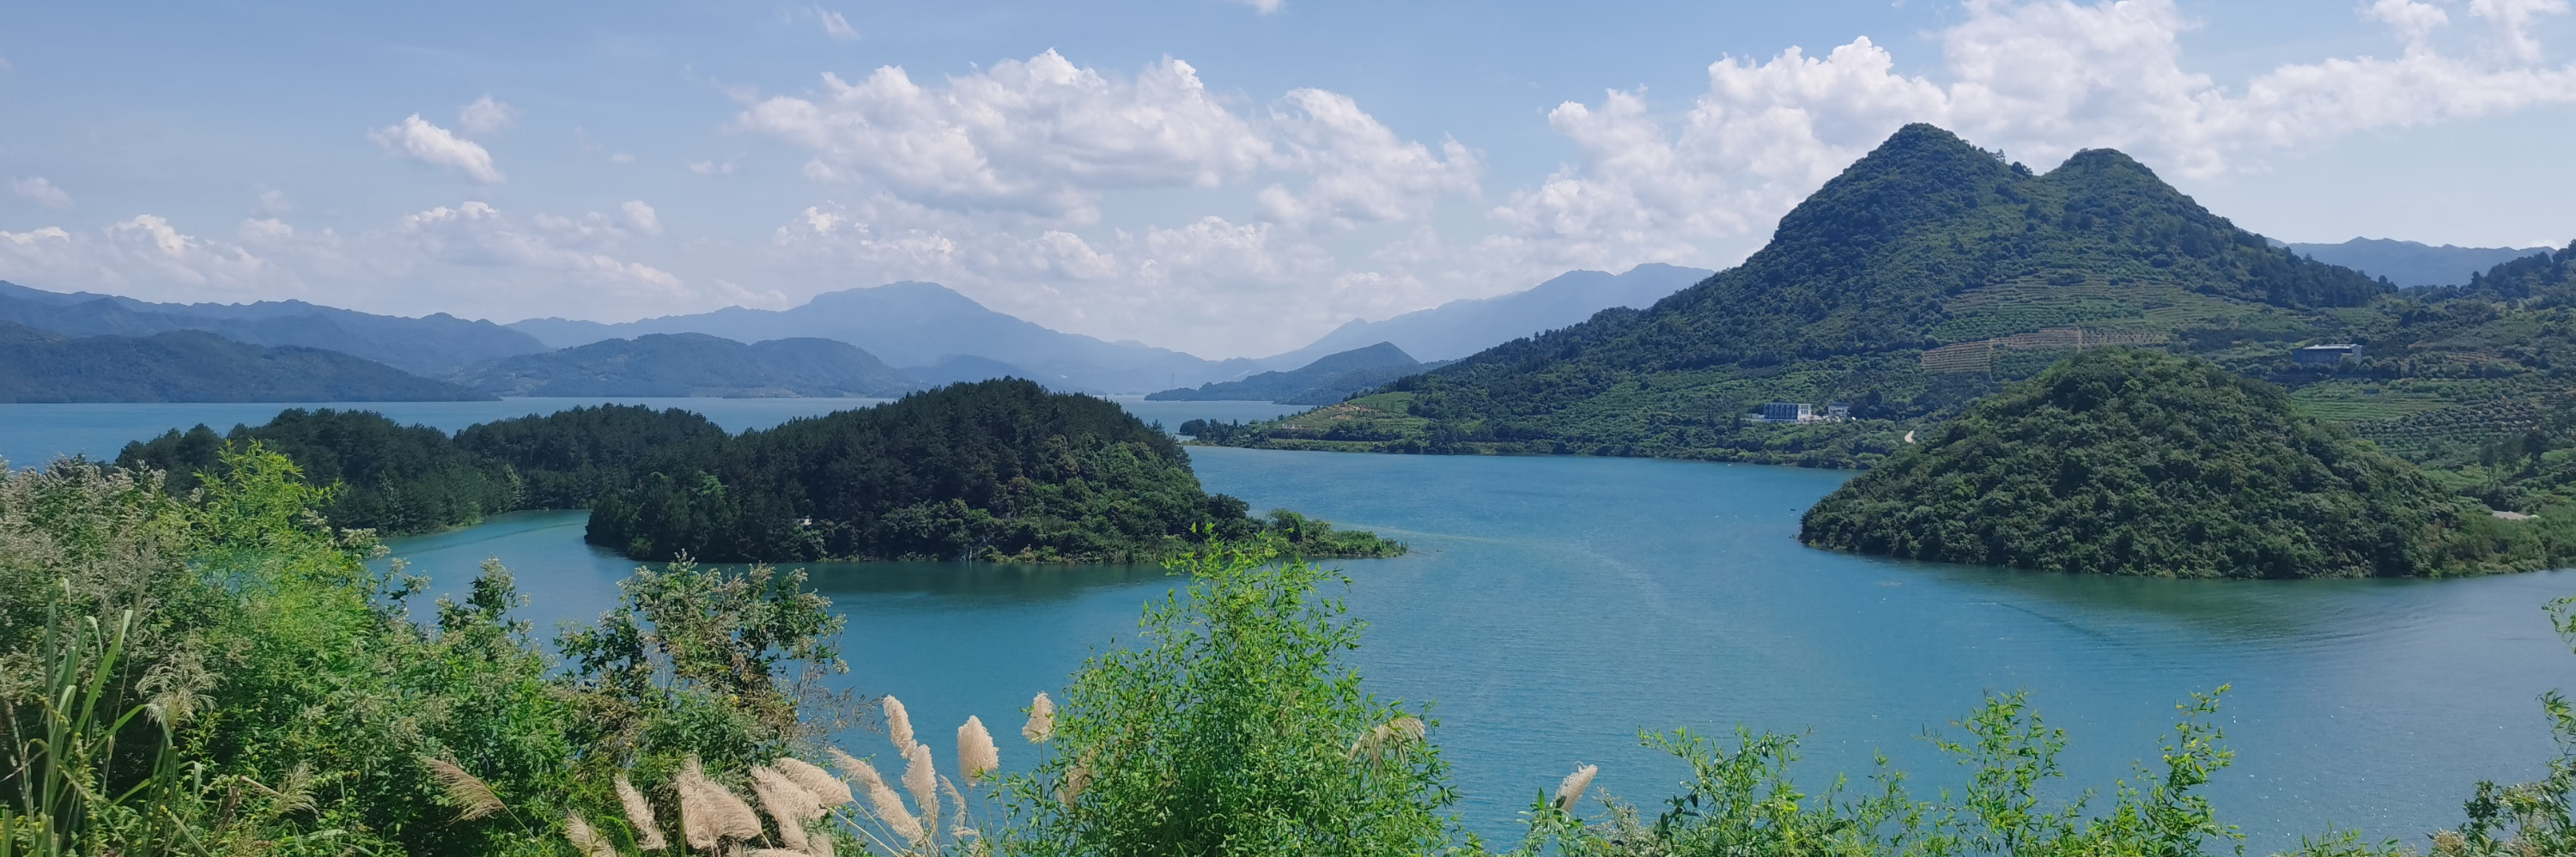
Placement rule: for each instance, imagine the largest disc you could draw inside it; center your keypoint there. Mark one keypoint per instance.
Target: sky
(1224, 177)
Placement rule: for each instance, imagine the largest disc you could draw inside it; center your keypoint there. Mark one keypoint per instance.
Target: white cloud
(429, 144)
(1360, 171)
(5, 67)
(2040, 79)
(621, 158)
(641, 218)
(485, 116)
(834, 25)
(469, 259)
(711, 168)
(1041, 136)
(273, 202)
(1262, 6)
(41, 191)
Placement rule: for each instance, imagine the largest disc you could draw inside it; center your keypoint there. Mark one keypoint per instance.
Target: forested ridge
(995, 470)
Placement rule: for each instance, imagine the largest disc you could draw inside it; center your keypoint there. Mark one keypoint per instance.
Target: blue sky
(1228, 178)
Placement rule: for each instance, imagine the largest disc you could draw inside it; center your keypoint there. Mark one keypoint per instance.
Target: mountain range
(925, 324)
(430, 346)
(196, 366)
(1463, 327)
(2412, 263)
(1929, 273)
(1329, 379)
(693, 364)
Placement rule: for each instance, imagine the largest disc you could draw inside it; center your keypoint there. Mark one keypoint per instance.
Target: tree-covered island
(995, 471)
(2134, 461)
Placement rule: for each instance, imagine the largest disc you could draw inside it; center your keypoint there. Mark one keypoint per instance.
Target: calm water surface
(1555, 606)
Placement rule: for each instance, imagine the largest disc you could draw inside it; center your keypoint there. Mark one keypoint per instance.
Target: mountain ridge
(196, 366)
(693, 364)
(429, 345)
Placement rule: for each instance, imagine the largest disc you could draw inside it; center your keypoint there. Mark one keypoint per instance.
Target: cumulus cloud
(1358, 170)
(485, 116)
(421, 141)
(711, 168)
(41, 191)
(1041, 136)
(2040, 79)
(641, 217)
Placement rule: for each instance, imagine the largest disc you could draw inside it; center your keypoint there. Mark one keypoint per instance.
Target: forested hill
(998, 470)
(693, 364)
(995, 470)
(1924, 243)
(1871, 263)
(2132, 461)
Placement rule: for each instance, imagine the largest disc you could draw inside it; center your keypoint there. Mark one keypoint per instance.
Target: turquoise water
(1555, 606)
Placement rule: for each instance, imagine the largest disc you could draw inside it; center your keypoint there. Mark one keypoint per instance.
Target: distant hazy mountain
(921, 324)
(1331, 379)
(2408, 263)
(693, 364)
(435, 345)
(195, 366)
(1462, 327)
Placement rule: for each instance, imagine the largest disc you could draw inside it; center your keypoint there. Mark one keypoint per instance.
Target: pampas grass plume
(922, 780)
(898, 724)
(639, 812)
(788, 804)
(1076, 779)
(584, 839)
(711, 812)
(855, 768)
(889, 808)
(1572, 789)
(1041, 720)
(473, 798)
(976, 755)
(826, 789)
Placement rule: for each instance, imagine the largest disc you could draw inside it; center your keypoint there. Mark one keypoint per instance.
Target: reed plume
(855, 768)
(957, 802)
(1076, 779)
(639, 813)
(788, 804)
(922, 780)
(889, 809)
(584, 839)
(711, 813)
(1384, 736)
(1571, 789)
(828, 790)
(898, 724)
(976, 755)
(1041, 720)
(473, 798)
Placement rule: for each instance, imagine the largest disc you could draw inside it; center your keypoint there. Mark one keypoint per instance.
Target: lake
(1555, 606)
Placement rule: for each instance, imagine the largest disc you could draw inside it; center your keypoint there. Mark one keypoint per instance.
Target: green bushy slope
(2132, 461)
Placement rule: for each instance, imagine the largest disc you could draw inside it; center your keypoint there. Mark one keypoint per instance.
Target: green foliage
(2137, 462)
(271, 694)
(1742, 802)
(1233, 726)
(998, 471)
(387, 476)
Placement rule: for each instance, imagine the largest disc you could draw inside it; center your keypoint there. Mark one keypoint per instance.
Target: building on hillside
(2326, 355)
(1788, 412)
(1838, 411)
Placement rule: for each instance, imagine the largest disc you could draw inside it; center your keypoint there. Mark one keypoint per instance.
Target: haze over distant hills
(1463, 327)
(2410, 263)
(196, 366)
(922, 324)
(1323, 382)
(434, 345)
(693, 364)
